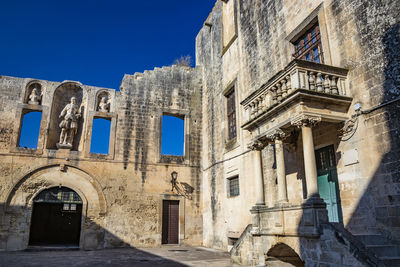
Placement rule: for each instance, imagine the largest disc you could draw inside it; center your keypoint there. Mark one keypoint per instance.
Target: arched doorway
(56, 218)
(283, 255)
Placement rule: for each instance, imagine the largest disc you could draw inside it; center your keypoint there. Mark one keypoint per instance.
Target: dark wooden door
(51, 225)
(170, 222)
(56, 218)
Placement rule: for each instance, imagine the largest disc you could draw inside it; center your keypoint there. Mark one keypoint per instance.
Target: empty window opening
(30, 128)
(172, 135)
(233, 186)
(100, 136)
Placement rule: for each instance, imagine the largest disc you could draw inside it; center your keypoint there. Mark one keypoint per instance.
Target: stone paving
(164, 256)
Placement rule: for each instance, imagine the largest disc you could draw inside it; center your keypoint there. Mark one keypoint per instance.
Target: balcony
(302, 88)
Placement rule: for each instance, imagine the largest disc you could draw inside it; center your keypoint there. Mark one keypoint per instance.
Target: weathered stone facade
(123, 190)
(288, 110)
(314, 146)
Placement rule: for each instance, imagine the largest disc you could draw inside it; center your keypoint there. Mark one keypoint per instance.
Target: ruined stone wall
(360, 36)
(123, 191)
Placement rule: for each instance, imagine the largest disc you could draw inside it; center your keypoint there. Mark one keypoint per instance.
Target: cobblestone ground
(164, 256)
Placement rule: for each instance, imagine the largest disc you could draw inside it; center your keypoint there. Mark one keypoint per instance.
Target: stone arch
(282, 255)
(29, 88)
(99, 95)
(19, 201)
(61, 97)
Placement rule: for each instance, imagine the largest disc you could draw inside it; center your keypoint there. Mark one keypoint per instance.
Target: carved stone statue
(104, 105)
(34, 97)
(69, 124)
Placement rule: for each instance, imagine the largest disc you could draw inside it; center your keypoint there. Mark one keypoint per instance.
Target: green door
(328, 186)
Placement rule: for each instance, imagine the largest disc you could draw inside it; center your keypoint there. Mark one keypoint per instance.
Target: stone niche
(33, 93)
(103, 102)
(62, 97)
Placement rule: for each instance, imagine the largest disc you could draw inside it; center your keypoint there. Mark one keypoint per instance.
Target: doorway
(328, 185)
(170, 222)
(56, 218)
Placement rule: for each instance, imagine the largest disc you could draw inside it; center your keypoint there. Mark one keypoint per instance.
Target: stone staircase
(385, 250)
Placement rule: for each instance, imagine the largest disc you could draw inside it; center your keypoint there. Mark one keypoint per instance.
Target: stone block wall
(357, 35)
(123, 191)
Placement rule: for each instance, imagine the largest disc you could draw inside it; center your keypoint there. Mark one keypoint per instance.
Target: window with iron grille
(308, 46)
(231, 112)
(233, 186)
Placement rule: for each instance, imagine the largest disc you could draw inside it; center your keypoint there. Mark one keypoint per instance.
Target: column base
(314, 199)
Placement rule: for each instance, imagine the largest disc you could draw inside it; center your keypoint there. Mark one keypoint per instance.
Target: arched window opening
(172, 135)
(29, 134)
(100, 136)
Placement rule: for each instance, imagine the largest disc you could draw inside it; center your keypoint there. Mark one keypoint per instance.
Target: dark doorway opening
(283, 255)
(170, 222)
(56, 218)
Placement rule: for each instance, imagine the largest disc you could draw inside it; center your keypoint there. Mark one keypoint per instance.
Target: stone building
(313, 87)
(291, 147)
(113, 199)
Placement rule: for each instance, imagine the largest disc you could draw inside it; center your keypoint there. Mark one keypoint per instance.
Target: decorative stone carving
(256, 145)
(276, 134)
(35, 97)
(305, 120)
(69, 124)
(103, 102)
(104, 105)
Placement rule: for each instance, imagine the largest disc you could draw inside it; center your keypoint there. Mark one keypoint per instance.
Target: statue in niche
(104, 105)
(35, 97)
(69, 124)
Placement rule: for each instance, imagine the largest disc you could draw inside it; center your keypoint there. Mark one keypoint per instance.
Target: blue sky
(95, 42)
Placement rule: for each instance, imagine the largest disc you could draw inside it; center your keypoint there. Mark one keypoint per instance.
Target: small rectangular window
(308, 46)
(233, 186)
(100, 141)
(172, 135)
(231, 114)
(228, 24)
(29, 134)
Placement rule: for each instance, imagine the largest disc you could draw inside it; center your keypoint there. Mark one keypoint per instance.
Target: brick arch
(280, 252)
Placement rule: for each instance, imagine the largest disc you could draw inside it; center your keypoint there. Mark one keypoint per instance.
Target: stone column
(306, 123)
(257, 147)
(277, 136)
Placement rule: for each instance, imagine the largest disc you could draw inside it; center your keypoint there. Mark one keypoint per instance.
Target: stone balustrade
(298, 75)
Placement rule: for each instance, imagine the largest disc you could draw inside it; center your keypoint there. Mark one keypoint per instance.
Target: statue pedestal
(64, 146)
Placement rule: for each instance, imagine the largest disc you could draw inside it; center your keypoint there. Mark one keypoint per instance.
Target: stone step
(391, 261)
(51, 248)
(372, 239)
(384, 250)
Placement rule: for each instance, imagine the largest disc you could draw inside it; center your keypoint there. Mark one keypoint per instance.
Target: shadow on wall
(381, 199)
(378, 211)
(16, 232)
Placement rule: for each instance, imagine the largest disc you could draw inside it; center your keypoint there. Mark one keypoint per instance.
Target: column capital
(256, 145)
(276, 134)
(306, 120)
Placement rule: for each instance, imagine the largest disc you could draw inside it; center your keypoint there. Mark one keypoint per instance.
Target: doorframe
(83, 215)
(181, 228)
(338, 194)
